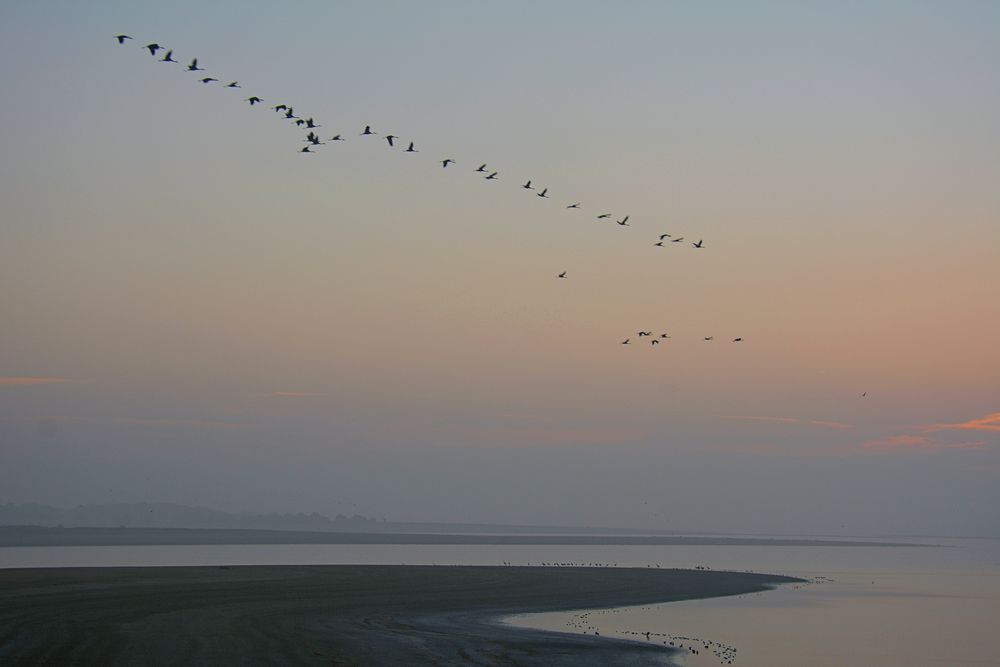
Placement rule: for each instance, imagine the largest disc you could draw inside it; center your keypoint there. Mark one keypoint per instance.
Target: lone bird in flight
(368, 130)
(737, 340)
(625, 342)
(153, 48)
(254, 100)
(193, 67)
(389, 138)
(411, 149)
(698, 244)
(121, 38)
(709, 337)
(542, 193)
(562, 275)
(169, 58)
(446, 162)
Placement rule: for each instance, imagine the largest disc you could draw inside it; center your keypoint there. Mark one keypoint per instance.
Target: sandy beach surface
(331, 615)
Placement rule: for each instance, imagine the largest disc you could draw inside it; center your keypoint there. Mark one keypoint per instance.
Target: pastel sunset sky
(192, 311)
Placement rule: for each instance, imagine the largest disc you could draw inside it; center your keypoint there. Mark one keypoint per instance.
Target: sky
(193, 311)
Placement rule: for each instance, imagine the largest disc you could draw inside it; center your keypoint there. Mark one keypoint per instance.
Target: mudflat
(331, 615)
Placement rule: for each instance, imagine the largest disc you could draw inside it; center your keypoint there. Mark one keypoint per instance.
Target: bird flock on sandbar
(314, 142)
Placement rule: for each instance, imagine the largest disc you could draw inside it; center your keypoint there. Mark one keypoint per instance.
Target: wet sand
(331, 615)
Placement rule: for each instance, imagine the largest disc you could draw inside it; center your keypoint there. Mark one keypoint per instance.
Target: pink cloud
(790, 420)
(22, 381)
(990, 422)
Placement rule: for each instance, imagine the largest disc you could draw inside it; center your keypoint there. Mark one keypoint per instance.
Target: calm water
(869, 606)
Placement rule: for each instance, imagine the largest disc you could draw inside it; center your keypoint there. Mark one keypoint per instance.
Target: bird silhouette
(562, 275)
(863, 394)
(737, 340)
(411, 149)
(664, 335)
(310, 123)
(290, 113)
(305, 149)
(603, 215)
(208, 79)
(254, 100)
(481, 167)
(299, 122)
(368, 130)
(698, 244)
(446, 162)
(659, 243)
(193, 67)
(336, 137)
(169, 58)
(233, 84)
(389, 138)
(153, 48)
(576, 205)
(623, 222)
(677, 240)
(542, 193)
(121, 38)
(645, 333)
(664, 236)
(492, 177)
(625, 342)
(527, 186)
(654, 342)
(709, 337)
(280, 107)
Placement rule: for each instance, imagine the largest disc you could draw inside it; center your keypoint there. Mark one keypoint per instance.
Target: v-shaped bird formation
(314, 142)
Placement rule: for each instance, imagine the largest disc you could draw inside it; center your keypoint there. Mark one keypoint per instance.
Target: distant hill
(171, 515)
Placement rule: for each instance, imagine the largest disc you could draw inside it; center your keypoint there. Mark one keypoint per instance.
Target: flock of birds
(313, 141)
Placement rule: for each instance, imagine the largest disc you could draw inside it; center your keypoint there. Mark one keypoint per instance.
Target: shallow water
(884, 606)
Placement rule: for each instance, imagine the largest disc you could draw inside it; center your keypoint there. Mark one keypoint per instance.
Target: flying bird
(709, 337)
(305, 149)
(625, 342)
(664, 335)
(254, 100)
(311, 123)
(208, 79)
(299, 122)
(603, 215)
(654, 342)
(562, 275)
(233, 84)
(153, 48)
(169, 58)
(193, 67)
(659, 243)
(677, 240)
(737, 340)
(863, 394)
(576, 205)
(527, 186)
(411, 149)
(698, 244)
(121, 38)
(446, 162)
(368, 130)
(623, 222)
(389, 138)
(481, 167)
(290, 113)
(664, 236)
(542, 193)
(492, 177)
(336, 137)
(280, 107)
(645, 333)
